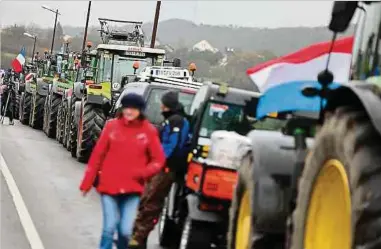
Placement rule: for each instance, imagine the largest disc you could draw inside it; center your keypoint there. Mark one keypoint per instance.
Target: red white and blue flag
(284, 77)
(19, 61)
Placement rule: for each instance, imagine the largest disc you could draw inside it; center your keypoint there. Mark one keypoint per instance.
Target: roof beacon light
(192, 68)
(136, 66)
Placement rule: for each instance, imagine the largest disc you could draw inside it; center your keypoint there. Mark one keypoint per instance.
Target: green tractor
(295, 192)
(64, 114)
(61, 82)
(117, 61)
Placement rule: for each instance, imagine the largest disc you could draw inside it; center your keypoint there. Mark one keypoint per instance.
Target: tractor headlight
(115, 86)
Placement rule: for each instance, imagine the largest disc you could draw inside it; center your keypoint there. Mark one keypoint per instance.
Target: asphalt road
(47, 179)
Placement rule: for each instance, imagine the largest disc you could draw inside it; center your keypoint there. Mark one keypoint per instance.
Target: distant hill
(182, 33)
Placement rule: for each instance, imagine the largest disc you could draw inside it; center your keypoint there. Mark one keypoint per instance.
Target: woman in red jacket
(127, 153)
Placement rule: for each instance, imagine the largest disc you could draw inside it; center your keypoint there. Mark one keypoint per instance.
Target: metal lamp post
(34, 44)
(55, 24)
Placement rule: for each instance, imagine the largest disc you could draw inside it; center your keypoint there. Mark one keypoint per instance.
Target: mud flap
(269, 204)
(196, 214)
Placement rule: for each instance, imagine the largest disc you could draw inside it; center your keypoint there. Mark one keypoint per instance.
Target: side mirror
(342, 14)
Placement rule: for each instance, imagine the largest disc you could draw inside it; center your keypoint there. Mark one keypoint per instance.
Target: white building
(204, 46)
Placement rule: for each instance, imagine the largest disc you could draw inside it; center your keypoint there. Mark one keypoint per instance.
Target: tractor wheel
(241, 231)
(167, 227)
(37, 111)
(91, 123)
(17, 105)
(72, 138)
(25, 105)
(339, 199)
(66, 125)
(61, 133)
(51, 115)
(60, 124)
(46, 110)
(196, 235)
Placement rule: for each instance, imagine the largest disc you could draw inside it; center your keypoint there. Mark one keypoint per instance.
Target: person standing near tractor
(126, 155)
(174, 134)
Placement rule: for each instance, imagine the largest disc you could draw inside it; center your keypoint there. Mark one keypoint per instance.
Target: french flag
(281, 80)
(19, 61)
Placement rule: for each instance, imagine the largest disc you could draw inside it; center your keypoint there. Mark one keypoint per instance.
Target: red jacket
(126, 155)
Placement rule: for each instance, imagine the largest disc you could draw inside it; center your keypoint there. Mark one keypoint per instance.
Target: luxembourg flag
(281, 80)
(19, 61)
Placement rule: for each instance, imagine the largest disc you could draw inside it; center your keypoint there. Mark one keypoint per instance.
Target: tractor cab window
(123, 66)
(105, 68)
(223, 116)
(153, 111)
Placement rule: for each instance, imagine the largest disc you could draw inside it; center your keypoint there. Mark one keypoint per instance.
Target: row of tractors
(69, 95)
(291, 190)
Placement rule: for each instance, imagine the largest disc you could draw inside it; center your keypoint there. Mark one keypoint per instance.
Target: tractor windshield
(123, 66)
(223, 116)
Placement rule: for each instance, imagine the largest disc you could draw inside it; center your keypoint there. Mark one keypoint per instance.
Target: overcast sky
(269, 14)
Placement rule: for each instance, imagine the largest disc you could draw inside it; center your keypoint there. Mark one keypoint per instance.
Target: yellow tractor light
(205, 148)
(223, 89)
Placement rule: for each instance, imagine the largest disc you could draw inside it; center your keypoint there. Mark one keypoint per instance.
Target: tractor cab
(219, 107)
(121, 57)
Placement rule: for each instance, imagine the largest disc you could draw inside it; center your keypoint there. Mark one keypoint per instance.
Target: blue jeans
(119, 213)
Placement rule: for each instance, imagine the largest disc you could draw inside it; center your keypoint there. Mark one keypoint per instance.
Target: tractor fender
(197, 214)
(78, 92)
(77, 111)
(42, 87)
(54, 86)
(366, 95)
(274, 160)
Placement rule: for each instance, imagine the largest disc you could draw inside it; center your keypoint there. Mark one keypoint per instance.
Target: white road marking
(26, 221)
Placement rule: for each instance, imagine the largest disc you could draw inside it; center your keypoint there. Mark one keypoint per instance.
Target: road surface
(47, 179)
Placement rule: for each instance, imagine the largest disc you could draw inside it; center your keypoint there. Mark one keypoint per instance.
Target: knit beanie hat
(133, 100)
(171, 100)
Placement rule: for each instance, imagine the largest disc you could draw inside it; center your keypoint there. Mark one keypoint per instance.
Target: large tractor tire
(196, 235)
(36, 118)
(17, 105)
(241, 232)
(339, 199)
(72, 137)
(25, 107)
(51, 113)
(60, 124)
(91, 123)
(66, 124)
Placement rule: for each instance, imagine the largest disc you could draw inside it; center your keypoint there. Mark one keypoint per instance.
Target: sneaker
(12, 122)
